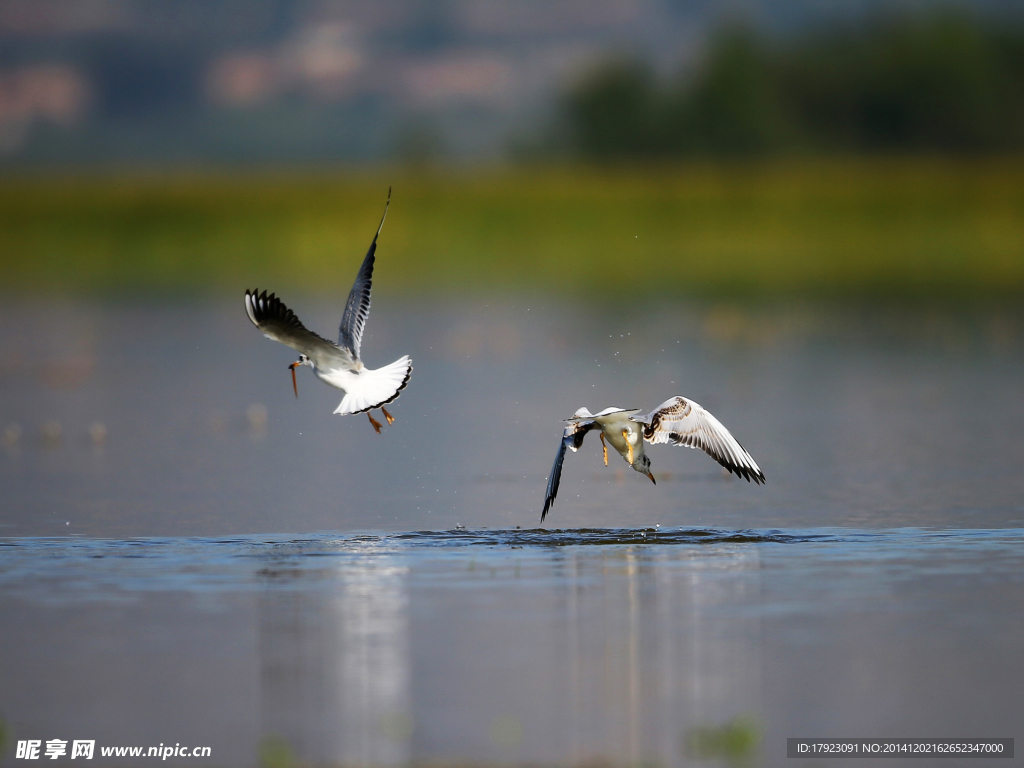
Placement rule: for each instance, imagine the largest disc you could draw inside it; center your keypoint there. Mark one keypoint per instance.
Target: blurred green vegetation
(812, 227)
(275, 752)
(735, 743)
(938, 82)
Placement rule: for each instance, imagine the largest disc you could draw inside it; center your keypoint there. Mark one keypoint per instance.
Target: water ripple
(73, 568)
(542, 537)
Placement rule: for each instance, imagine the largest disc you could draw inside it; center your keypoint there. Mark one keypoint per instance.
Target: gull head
(643, 466)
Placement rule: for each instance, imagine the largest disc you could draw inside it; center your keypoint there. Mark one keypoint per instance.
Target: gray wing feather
(275, 321)
(357, 308)
(683, 422)
(572, 438)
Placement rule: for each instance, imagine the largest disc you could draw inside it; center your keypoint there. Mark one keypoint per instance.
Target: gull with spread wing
(338, 365)
(677, 422)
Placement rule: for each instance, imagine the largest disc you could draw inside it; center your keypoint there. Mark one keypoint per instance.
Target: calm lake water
(190, 555)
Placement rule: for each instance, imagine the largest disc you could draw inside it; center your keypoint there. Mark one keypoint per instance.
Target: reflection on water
(334, 665)
(633, 647)
(660, 646)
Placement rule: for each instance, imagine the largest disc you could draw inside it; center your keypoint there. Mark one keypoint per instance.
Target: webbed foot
(376, 424)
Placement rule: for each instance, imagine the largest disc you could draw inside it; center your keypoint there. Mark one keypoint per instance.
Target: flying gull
(677, 422)
(338, 365)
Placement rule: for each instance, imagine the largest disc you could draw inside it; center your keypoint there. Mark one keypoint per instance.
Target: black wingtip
(380, 226)
(266, 306)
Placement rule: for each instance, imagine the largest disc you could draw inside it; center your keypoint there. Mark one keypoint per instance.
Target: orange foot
(374, 422)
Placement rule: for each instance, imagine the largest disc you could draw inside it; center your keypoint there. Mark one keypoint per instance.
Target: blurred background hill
(96, 81)
(942, 81)
(850, 147)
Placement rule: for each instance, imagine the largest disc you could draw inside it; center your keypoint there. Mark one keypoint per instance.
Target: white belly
(339, 378)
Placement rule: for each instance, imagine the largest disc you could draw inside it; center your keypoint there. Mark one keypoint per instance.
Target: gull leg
(604, 448)
(374, 422)
(388, 416)
(625, 436)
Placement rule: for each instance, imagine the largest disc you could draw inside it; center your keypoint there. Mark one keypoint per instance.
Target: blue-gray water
(148, 595)
(512, 646)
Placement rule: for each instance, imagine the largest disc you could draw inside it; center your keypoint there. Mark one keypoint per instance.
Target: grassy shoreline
(876, 227)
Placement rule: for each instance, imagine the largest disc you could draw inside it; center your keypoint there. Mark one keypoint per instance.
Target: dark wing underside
(683, 422)
(277, 322)
(572, 438)
(357, 308)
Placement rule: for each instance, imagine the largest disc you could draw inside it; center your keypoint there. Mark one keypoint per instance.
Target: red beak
(295, 383)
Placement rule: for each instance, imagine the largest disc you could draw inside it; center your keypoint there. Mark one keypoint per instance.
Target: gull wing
(357, 308)
(613, 409)
(277, 322)
(572, 438)
(683, 422)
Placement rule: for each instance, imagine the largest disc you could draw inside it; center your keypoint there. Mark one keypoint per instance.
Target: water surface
(512, 645)
(859, 417)
(152, 454)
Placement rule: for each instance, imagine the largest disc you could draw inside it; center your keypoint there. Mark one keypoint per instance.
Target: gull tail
(374, 388)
